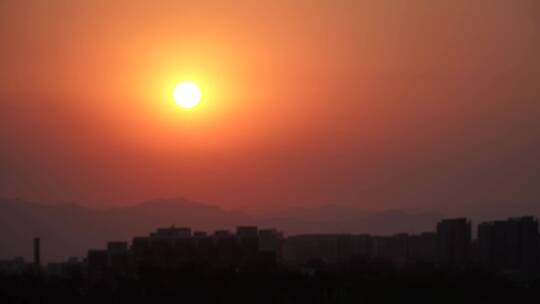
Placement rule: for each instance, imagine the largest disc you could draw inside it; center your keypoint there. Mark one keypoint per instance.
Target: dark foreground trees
(352, 282)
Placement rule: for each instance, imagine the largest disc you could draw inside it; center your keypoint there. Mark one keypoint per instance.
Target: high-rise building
(200, 234)
(392, 247)
(116, 247)
(171, 233)
(510, 245)
(222, 233)
(454, 241)
(97, 263)
(37, 252)
(329, 248)
(247, 232)
(422, 247)
(271, 240)
(248, 243)
(118, 256)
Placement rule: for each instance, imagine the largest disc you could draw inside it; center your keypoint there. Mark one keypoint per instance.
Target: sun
(187, 94)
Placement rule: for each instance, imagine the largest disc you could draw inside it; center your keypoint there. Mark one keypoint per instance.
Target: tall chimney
(37, 253)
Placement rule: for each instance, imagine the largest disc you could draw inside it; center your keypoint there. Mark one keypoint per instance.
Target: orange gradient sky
(381, 103)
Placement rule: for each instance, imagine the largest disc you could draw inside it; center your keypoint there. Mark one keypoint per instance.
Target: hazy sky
(380, 103)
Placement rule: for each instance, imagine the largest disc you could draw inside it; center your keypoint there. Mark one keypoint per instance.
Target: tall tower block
(37, 252)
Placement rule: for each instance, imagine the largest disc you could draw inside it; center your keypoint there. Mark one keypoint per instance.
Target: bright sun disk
(187, 94)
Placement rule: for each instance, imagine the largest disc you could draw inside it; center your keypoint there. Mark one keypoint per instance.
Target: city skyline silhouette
(269, 151)
(504, 252)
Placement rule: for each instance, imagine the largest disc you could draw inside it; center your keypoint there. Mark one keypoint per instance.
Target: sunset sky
(372, 103)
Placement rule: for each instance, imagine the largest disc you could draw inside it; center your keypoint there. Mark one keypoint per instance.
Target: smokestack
(37, 253)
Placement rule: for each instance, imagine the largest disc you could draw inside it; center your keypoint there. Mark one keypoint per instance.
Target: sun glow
(187, 94)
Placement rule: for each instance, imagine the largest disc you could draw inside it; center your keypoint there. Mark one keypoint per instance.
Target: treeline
(354, 281)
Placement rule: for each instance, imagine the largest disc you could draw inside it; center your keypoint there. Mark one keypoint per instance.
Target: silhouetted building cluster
(511, 246)
(326, 247)
(173, 248)
(116, 259)
(454, 237)
(14, 266)
(18, 264)
(331, 248)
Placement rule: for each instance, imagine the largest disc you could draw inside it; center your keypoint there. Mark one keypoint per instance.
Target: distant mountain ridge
(70, 230)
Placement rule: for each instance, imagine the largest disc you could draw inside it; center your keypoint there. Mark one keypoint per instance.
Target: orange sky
(381, 103)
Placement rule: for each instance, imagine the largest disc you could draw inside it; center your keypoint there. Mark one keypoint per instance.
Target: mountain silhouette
(70, 230)
(348, 219)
